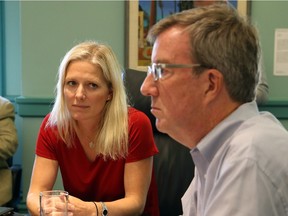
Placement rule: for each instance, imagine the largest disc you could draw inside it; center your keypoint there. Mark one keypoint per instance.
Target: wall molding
(33, 107)
(277, 107)
(40, 107)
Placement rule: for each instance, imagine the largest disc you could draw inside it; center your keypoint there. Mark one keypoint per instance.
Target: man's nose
(148, 87)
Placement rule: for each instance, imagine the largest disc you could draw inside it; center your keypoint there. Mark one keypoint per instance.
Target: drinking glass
(54, 203)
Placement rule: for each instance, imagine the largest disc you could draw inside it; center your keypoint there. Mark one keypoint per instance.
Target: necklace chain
(91, 143)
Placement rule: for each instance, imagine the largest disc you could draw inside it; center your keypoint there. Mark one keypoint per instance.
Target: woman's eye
(93, 85)
(71, 83)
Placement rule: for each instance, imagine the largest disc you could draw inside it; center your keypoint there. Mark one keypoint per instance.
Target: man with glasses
(202, 85)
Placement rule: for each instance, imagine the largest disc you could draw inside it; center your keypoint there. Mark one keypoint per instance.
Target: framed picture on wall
(142, 14)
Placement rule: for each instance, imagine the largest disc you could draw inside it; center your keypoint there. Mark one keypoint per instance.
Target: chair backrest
(173, 166)
(16, 183)
(9, 161)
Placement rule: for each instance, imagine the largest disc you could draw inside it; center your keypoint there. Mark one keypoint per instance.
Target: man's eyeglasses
(157, 69)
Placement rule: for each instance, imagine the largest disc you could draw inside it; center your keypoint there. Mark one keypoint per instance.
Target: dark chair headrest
(133, 80)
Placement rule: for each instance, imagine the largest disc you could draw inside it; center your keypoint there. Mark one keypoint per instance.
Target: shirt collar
(209, 145)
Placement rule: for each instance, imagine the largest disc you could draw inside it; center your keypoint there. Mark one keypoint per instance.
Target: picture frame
(138, 53)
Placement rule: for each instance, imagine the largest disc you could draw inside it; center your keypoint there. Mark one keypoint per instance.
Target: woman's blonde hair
(111, 140)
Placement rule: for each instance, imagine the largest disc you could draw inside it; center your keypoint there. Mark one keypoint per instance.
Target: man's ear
(215, 83)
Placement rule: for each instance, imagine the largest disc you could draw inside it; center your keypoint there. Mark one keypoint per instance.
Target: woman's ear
(110, 95)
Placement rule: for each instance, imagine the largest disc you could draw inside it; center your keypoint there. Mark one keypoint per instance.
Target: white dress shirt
(241, 167)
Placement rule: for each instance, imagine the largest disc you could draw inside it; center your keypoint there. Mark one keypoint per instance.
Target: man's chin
(160, 126)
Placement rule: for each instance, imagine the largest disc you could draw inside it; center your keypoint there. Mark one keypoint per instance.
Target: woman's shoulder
(46, 118)
(45, 123)
(135, 113)
(138, 118)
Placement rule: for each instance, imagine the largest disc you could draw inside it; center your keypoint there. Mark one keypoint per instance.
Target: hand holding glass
(53, 203)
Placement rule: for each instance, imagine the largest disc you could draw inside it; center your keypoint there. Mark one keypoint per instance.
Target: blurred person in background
(8, 146)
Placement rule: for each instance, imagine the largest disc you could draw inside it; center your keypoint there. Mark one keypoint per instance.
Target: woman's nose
(80, 93)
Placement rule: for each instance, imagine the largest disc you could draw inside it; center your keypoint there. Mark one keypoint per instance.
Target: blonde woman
(103, 147)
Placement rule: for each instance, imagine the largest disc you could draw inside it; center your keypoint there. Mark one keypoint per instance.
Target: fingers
(56, 206)
(70, 207)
